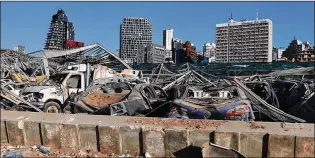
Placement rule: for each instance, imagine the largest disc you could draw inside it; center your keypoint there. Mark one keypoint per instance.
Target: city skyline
(93, 26)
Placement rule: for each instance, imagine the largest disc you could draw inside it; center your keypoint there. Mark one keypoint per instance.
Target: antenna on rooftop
(231, 16)
(256, 14)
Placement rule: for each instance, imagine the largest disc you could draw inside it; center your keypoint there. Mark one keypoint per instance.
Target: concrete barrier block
(227, 139)
(281, 146)
(175, 140)
(251, 144)
(109, 140)
(205, 150)
(130, 139)
(32, 133)
(16, 133)
(304, 147)
(153, 141)
(51, 135)
(69, 137)
(4, 138)
(198, 137)
(88, 137)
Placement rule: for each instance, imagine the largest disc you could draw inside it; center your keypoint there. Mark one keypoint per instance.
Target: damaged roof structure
(94, 81)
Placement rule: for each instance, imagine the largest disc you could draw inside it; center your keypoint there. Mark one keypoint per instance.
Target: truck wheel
(52, 107)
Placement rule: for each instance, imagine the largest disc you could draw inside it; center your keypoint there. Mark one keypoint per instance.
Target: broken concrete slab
(109, 140)
(175, 139)
(88, 137)
(4, 138)
(227, 139)
(69, 137)
(304, 147)
(130, 140)
(32, 133)
(153, 141)
(51, 135)
(281, 146)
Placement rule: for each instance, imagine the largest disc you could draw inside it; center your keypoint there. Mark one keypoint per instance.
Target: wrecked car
(116, 97)
(209, 103)
(296, 98)
(98, 95)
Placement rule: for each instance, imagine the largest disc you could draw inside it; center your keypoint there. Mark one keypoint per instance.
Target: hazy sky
(27, 23)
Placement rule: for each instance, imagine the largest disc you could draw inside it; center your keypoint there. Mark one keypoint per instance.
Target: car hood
(37, 88)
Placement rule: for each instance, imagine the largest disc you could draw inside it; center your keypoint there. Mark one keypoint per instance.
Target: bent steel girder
(12, 61)
(94, 53)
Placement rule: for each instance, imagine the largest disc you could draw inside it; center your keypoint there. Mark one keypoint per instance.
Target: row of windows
(136, 21)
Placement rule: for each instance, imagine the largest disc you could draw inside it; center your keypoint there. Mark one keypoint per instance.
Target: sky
(27, 23)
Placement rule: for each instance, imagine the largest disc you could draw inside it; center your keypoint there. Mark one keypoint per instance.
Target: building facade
(176, 46)
(244, 41)
(277, 54)
(299, 51)
(59, 32)
(168, 54)
(20, 49)
(168, 36)
(209, 50)
(134, 32)
(151, 53)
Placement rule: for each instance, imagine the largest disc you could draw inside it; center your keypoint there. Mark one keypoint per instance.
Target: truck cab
(54, 92)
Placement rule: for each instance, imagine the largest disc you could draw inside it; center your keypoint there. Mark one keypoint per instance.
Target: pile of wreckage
(96, 89)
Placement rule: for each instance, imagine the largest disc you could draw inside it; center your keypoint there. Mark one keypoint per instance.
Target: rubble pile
(188, 93)
(25, 64)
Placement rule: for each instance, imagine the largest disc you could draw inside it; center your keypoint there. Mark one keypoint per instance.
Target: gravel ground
(35, 152)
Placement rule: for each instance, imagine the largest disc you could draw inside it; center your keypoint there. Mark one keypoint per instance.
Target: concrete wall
(158, 137)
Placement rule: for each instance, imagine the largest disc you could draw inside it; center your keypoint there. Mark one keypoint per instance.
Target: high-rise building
(168, 35)
(151, 53)
(176, 46)
(209, 51)
(134, 32)
(60, 31)
(244, 41)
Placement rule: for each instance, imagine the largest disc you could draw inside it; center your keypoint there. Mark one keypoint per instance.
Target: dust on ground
(255, 126)
(189, 123)
(100, 99)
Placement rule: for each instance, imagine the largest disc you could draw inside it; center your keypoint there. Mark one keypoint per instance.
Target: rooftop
(233, 22)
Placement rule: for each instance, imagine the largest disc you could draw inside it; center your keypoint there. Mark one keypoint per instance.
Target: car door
(75, 83)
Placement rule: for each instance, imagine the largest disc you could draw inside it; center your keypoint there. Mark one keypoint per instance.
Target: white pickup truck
(52, 95)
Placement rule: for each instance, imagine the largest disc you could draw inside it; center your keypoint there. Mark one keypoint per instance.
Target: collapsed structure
(95, 81)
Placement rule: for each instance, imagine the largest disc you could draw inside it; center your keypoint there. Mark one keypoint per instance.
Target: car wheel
(52, 107)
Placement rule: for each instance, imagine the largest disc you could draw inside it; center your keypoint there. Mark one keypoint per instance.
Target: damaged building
(244, 41)
(151, 53)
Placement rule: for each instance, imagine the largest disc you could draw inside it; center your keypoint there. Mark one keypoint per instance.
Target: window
(74, 81)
